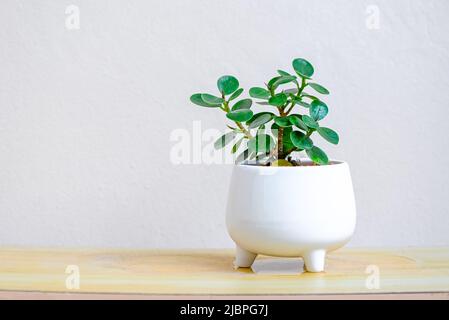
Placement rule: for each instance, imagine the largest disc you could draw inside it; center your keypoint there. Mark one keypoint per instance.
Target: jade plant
(291, 115)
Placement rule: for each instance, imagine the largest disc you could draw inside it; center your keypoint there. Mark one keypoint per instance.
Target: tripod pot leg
(243, 258)
(314, 260)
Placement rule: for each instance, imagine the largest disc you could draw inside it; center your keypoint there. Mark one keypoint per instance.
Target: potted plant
(279, 203)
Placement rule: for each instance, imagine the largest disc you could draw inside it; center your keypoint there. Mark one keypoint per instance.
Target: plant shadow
(275, 266)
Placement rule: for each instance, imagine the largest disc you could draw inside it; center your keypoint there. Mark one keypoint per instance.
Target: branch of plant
(298, 95)
(290, 108)
(309, 133)
(303, 85)
(245, 131)
(284, 103)
(283, 112)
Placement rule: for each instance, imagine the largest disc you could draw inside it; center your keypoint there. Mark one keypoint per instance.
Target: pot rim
(332, 163)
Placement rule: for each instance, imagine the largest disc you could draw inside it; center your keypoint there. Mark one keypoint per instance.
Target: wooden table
(199, 274)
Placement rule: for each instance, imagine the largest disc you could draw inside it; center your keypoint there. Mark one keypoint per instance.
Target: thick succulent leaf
(317, 155)
(242, 104)
(278, 100)
(225, 140)
(260, 119)
(303, 67)
(211, 99)
(318, 110)
(259, 93)
(300, 140)
(328, 134)
(310, 122)
(295, 119)
(198, 100)
(318, 88)
(283, 73)
(283, 80)
(236, 94)
(227, 84)
(241, 115)
(283, 121)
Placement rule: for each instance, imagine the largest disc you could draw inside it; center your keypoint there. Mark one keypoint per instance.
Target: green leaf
(236, 146)
(274, 129)
(243, 156)
(302, 103)
(260, 119)
(261, 143)
(303, 67)
(278, 100)
(236, 94)
(328, 134)
(318, 109)
(283, 73)
(210, 99)
(227, 84)
(241, 115)
(272, 81)
(196, 99)
(310, 122)
(291, 91)
(297, 122)
(283, 80)
(282, 121)
(318, 88)
(257, 115)
(259, 93)
(306, 95)
(242, 104)
(317, 155)
(300, 140)
(224, 140)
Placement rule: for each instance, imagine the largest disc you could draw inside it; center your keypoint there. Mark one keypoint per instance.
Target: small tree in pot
(290, 131)
(283, 206)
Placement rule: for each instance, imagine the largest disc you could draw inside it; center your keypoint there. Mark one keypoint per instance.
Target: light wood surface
(413, 272)
(33, 295)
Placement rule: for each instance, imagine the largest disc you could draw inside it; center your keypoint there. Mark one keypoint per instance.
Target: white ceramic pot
(302, 211)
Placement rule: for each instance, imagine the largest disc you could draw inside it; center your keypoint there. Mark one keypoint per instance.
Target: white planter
(303, 211)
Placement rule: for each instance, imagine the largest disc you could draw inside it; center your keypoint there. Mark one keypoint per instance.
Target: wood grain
(210, 272)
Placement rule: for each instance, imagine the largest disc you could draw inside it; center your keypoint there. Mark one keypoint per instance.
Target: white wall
(86, 115)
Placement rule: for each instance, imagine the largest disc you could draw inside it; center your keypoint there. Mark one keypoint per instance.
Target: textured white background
(86, 115)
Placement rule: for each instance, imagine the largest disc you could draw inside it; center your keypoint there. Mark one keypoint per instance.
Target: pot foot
(243, 258)
(314, 260)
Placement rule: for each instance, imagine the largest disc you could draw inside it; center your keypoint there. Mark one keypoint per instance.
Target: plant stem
(298, 94)
(225, 106)
(303, 85)
(309, 133)
(280, 145)
(290, 108)
(245, 131)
